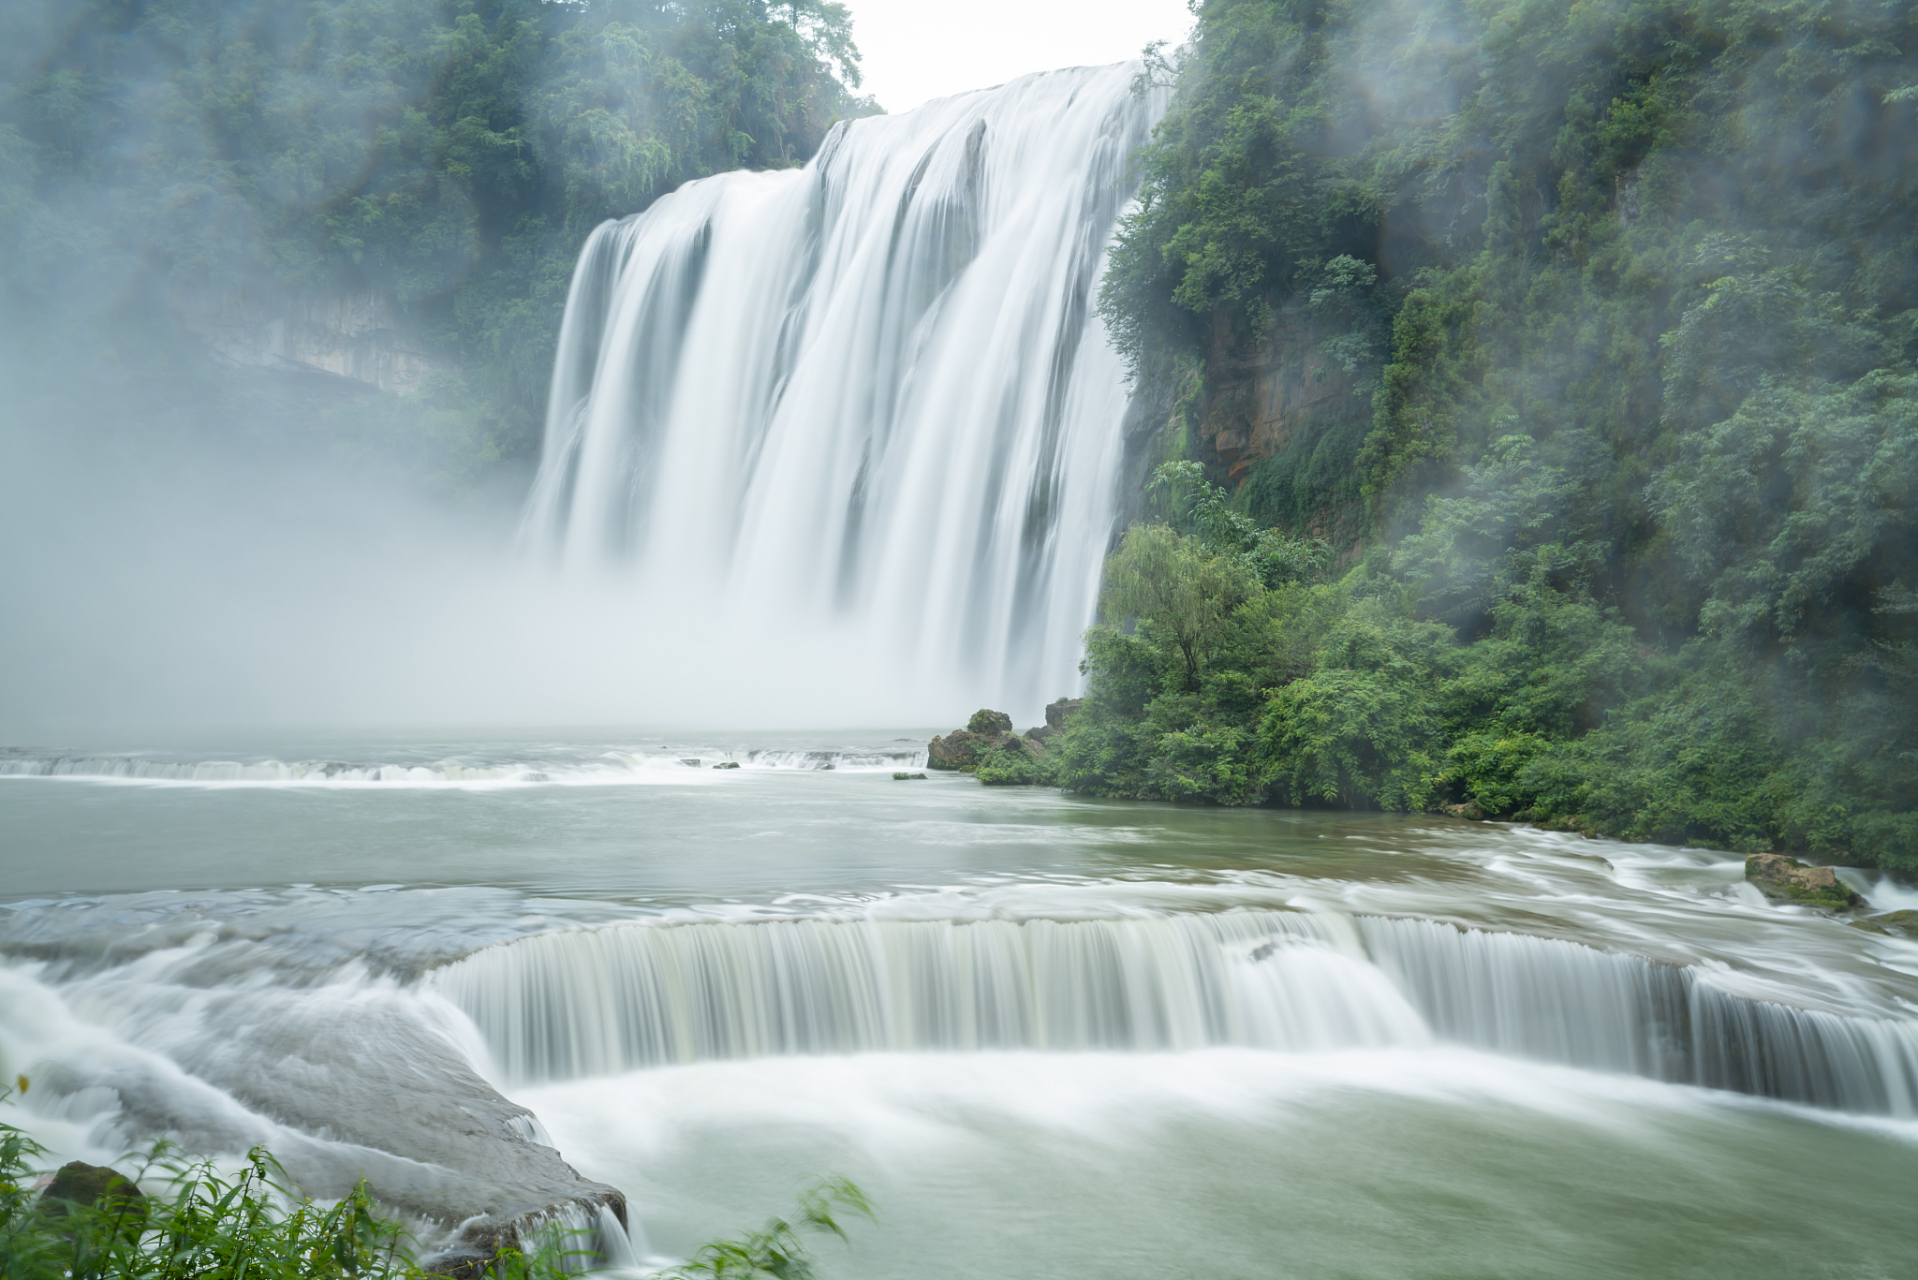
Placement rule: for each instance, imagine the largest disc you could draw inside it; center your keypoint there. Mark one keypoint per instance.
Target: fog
(193, 592)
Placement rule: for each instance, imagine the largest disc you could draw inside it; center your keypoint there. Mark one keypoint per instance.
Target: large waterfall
(868, 398)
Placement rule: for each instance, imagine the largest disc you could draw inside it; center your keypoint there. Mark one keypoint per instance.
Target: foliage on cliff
(1634, 287)
(451, 154)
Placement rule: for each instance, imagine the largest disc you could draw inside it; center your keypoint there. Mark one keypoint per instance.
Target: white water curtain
(871, 396)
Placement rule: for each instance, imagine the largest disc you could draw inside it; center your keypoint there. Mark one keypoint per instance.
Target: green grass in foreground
(173, 1217)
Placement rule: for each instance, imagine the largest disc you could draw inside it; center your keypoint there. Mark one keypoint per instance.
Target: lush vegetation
(1626, 292)
(160, 159)
(175, 1219)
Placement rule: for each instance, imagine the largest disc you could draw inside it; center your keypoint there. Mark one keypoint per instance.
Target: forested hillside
(1594, 463)
(407, 181)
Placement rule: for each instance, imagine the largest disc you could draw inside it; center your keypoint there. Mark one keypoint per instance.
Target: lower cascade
(599, 1001)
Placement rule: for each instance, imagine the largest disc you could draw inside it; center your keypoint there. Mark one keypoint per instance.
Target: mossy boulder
(988, 747)
(87, 1190)
(957, 750)
(966, 748)
(989, 724)
(1789, 880)
(1903, 924)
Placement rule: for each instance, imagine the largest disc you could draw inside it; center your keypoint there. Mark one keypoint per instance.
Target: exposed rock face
(1258, 401)
(359, 336)
(1057, 714)
(1790, 880)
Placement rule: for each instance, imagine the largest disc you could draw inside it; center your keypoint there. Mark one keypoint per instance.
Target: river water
(1047, 1035)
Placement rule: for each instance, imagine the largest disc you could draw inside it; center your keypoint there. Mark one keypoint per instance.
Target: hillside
(1579, 339)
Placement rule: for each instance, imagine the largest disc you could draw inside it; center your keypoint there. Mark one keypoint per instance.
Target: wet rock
(989, 732)
(908, 777)
(1058, 713)
(1469, 809)
(459, 1264)
(1903, 924)
(95, 1186)
(727, 764)
(475, 1253)
(953, 751)
(1789, 880)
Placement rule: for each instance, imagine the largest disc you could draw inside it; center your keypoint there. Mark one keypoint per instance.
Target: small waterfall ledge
(599, 1001)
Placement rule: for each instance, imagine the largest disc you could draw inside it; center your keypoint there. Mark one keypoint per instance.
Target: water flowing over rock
(1791, 880)
(869, 394)
(598, 1002)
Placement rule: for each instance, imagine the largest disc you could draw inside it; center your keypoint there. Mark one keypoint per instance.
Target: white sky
(913, 50)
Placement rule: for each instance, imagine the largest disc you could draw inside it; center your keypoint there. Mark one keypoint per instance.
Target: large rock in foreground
(1790, 880)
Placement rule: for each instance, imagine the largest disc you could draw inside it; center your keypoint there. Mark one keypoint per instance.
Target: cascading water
(596, 1002)
(869, 398)
(652, 993)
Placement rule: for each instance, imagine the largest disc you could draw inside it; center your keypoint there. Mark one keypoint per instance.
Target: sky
(919, 49)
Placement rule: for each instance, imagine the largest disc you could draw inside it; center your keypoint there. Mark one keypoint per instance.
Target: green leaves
(780, 1249)
(197, 1223)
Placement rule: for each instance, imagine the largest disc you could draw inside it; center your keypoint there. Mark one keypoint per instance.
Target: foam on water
(670, 766)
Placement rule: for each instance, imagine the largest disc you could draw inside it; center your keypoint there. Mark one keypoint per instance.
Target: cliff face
(1260, 398)
(353, 335)
(1282, 421)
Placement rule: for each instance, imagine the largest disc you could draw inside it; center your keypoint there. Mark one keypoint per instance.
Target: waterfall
(599, 1001)
(869, 397)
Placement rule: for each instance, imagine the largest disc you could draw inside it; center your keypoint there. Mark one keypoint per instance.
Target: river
(1046, 1035)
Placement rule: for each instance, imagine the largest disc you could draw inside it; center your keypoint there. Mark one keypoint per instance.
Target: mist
(275, 380)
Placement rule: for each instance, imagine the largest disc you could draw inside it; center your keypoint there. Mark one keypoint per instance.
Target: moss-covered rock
(1790, 880)
(89, 1190)
(1903, 924)
(987, 724)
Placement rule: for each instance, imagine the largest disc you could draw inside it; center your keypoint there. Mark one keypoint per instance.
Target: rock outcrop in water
(988, 748)
(1788, 879)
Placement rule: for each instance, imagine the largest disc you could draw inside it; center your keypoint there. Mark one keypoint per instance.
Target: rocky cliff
(359, 335)
(1280, 418)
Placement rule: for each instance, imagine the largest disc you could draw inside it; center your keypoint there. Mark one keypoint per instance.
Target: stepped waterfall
(596, 1002)
(868, 397)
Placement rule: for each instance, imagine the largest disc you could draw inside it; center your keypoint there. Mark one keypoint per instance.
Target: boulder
(727, 764)
(957, 750)
(1790, 880)
(908, 777)
(97, 1187)
(1894, 923)
(989, 724)
(1061, 711)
